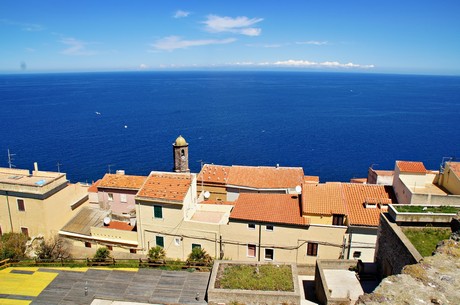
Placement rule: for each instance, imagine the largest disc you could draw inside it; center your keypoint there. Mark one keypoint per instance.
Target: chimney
(36, 166)
(120, 171)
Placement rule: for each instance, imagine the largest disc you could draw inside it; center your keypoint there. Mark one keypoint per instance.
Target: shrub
(54, 248)
(200, 256)
(102, 254)
(157, 253)
(13, 246)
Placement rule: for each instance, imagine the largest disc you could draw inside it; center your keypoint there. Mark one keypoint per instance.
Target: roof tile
(118, 181)
(268, 208)
(411, 167)
(166, 186)
(323, 199)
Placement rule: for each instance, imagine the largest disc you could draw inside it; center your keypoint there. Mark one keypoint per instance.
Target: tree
(101, 254)
(157, 253)
(54, 248)
(199, 256)
(13, 246)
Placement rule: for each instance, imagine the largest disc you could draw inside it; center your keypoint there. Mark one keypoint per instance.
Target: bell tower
(180, 155)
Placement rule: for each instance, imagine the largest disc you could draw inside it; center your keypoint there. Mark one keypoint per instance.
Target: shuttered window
(251, 250)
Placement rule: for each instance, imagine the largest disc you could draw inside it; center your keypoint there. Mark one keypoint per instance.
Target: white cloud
(143, 67)
(313, 42)
(76, 47)
(330, 64)
(28, 27)
(181, 14)
(171, 43)
(272, 45)
(304, 64)
(239, 25)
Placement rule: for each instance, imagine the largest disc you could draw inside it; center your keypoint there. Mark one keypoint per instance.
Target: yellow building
(37, 203)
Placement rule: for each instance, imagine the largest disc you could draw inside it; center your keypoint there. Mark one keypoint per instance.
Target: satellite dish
(298, 189)
(207, 194)
(106, 221)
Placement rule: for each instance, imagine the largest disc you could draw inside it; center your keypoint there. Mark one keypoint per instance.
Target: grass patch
(269, 277)
(426, 239)
(426, 209)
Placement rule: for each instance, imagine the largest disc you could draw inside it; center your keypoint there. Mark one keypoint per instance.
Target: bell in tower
(180, 155)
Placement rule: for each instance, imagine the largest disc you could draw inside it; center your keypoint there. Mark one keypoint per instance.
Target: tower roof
(180, 141)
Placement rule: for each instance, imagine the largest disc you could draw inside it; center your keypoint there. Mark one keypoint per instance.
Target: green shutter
(160, 241)
(157, 211)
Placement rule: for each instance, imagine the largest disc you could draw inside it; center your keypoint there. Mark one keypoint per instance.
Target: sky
(388, 36)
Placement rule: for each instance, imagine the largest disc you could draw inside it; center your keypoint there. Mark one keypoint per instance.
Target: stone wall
(394, 250)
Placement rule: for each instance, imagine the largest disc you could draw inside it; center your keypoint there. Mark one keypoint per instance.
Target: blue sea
(334, 125)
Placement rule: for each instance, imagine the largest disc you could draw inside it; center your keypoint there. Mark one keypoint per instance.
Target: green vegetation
(263, 277)
(101, 254)
(54, 248)
(426, 209)
(426, 239)
(199, 256)
(13, 246)
(157, 253)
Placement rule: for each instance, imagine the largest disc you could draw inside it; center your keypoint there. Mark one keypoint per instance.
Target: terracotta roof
(455, 167)
(323, 199)
(166, 186)
(356, 195)
(219, 202)
(119, 225)
(311, 179)
(118, 181)
(214, 173)
(358, 180)
(268, 208)
(265, 177)
(411, 167)
(93, 187)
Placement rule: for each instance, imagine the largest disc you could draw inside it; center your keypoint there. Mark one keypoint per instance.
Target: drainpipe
(9, 211)
(349, 245)
(260, 240)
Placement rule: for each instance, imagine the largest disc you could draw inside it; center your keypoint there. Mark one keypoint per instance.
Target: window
(25, 231)
(177, 241)
(251, 250)
(21, 206)
(357, 254)
(123, 198)
(312, 249)
(337, 220)
(269, 254)
(251, 226)
(269, 228)
(110, 196)
(87, 244)
(160, 241)
(132, 251)
(158, 211)
(196, 246)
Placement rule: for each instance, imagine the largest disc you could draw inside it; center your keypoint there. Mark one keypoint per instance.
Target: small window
(134, 251)
(357, 254)
(87, 244)
(312, 249)
(337, 220)
(177, 241)
(110, 196)
(269, 254)
(269, 228)
(251, 226)
(158, 211)
(251, 250)
(21, 206)
(196, 246)
(25, 231)
(160, 241)
(110, 248)
(123, 198)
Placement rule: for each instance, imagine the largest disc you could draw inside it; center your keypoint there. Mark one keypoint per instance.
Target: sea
(334, 125)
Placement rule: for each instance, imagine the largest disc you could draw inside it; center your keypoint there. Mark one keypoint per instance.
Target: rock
(435, 280)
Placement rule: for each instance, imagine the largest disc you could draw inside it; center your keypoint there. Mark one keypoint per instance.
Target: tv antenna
(10, 159)
(59, 167)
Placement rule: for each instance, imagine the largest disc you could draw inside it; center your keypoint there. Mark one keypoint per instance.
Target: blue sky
(403, 36)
